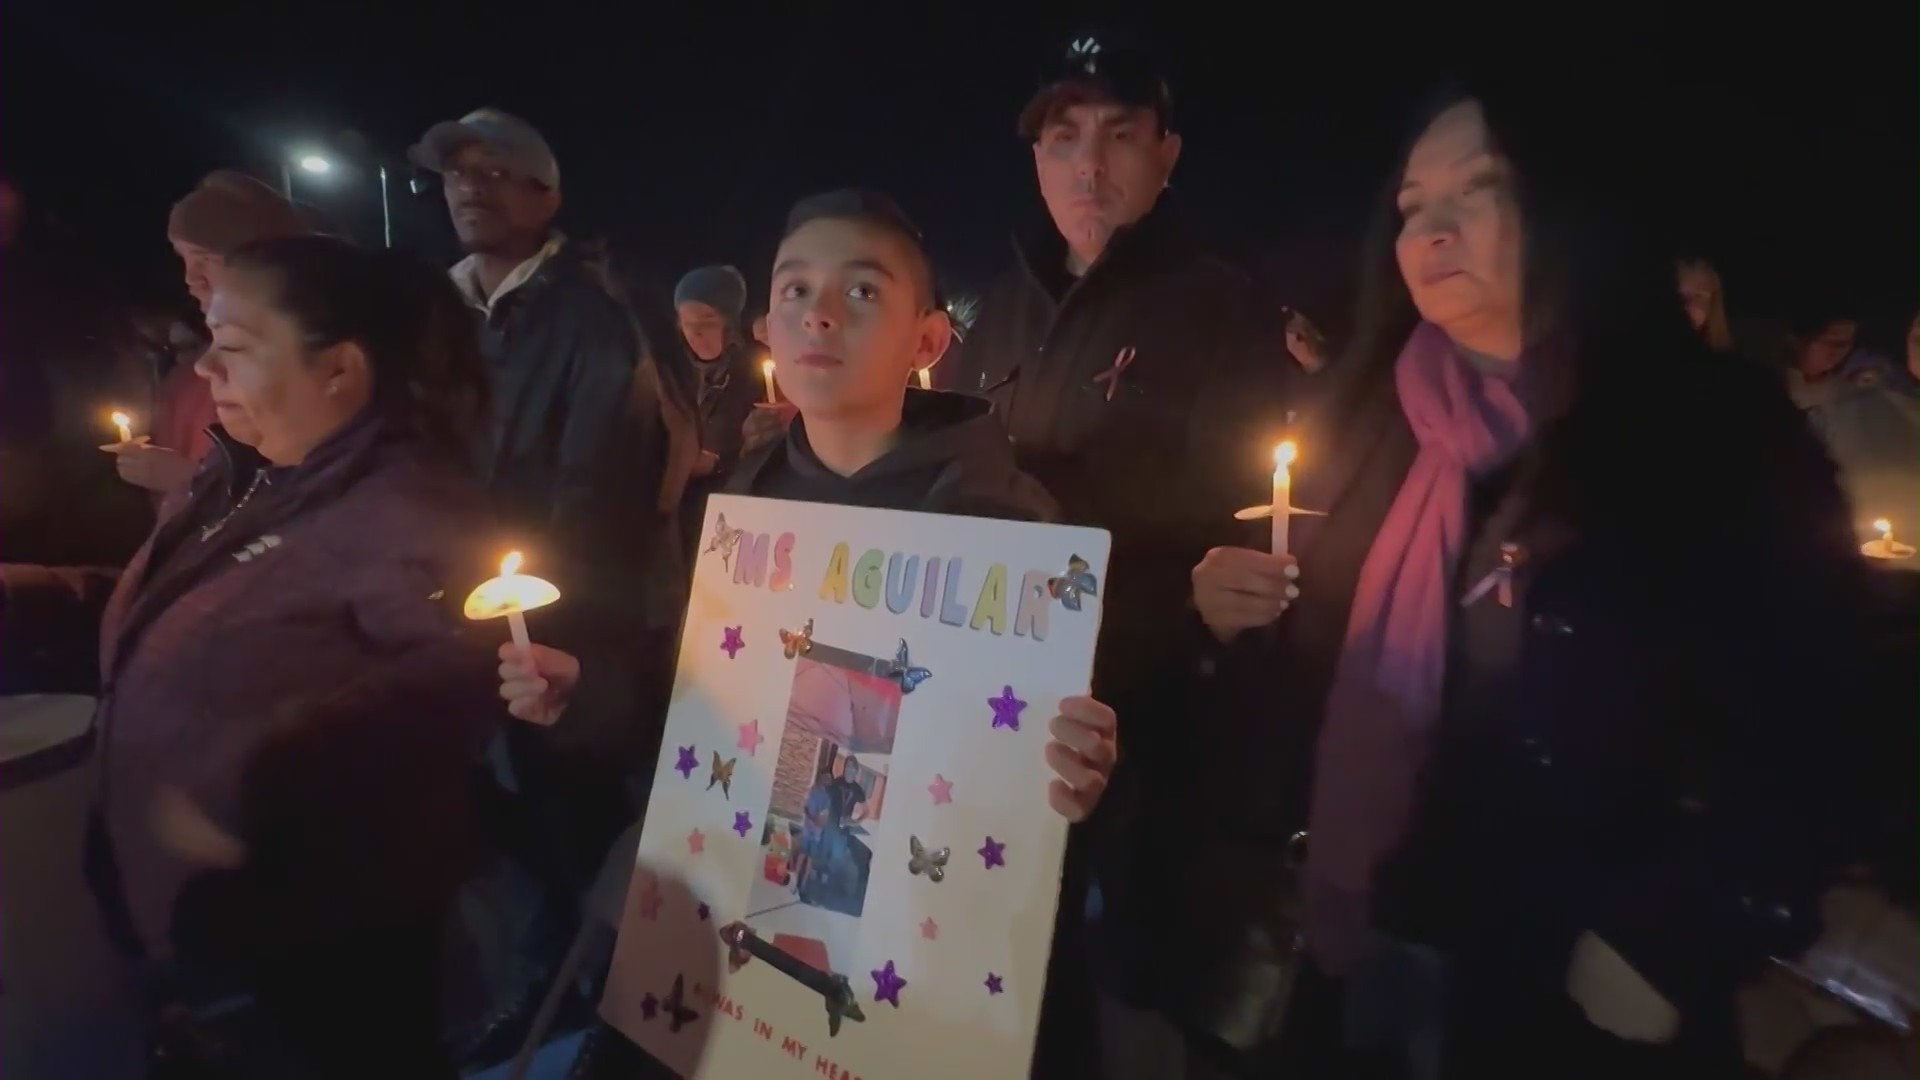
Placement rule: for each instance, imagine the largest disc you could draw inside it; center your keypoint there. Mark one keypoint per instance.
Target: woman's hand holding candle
(538, 682)
(1238, 589)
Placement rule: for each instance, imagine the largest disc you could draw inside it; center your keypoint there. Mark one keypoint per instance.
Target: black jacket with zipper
(573, 430)
(1160, 456)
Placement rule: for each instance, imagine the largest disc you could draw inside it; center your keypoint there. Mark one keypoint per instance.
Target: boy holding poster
(853, 315)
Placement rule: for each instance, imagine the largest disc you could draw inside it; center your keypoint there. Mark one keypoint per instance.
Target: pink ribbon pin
(1121, 361)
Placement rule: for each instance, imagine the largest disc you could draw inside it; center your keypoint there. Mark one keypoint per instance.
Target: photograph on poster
(829, 792)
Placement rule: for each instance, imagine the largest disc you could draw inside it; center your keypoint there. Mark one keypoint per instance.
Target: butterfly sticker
(678, 1015)
(1077, 580)
(725, 539)
(904, 673)
(722, 774)
(797, 642)
(931, 863)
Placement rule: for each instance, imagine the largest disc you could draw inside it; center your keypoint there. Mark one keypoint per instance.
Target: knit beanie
(721, 288)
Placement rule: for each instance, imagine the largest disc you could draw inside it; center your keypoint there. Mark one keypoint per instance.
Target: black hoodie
(953, 458)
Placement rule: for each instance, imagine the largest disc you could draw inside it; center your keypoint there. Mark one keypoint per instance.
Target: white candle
(1282, 494)
(123, 424)
(511, 594)
(925, 375)
(1883, 547)
(766, 372)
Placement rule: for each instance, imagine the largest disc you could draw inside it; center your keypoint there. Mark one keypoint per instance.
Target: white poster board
(802, 765)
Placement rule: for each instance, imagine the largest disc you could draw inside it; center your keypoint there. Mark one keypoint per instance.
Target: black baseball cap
(1094, 69)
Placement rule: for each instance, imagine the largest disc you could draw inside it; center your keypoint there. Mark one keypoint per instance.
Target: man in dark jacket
(568, 469)
(1117, 351)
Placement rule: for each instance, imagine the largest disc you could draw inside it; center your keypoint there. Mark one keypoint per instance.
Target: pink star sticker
(941, 789)
(929, 929)
(696, 842)
(750, 737)
(730, 641)
(650, 901)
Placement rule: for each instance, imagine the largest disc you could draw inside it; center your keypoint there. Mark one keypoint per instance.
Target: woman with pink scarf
(1549, 689)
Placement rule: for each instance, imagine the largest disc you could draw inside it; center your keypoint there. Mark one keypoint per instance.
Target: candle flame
(1885, 527)
(510, 565)
(121, 419)
(1284, 454)
(766, 367)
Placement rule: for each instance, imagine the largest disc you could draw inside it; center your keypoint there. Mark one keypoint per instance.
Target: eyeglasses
(479, 174)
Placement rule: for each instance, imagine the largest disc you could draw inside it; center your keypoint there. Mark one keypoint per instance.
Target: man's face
(493, 208)
(1101, 168)
(203, 271)
(848, 322)
(704, 329)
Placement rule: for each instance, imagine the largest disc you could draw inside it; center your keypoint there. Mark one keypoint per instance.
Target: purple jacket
(303, 675)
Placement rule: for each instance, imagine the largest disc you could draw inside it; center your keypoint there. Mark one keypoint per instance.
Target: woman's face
(1697, 290)
(1459, 243)
(704, 328)
(269, 391)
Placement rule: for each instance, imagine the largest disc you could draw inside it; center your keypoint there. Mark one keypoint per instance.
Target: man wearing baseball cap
(573, 465)
(1116, 350)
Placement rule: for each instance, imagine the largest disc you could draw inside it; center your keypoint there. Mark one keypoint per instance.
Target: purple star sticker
(993, 853)
(1006, 709)
(730, 642)
(741, 822)
(687, 763)
(887, 985)
(649, 1007)
(993, 984)
(703, 911)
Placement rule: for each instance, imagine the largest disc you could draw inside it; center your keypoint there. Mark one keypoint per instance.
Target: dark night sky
(688, 131)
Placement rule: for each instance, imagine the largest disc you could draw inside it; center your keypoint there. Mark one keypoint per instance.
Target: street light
(319, 165)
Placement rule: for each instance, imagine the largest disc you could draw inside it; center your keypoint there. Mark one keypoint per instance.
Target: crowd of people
(1538, 744)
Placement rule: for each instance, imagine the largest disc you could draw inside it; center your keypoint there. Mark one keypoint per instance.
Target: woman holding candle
(1541, 701)
(288, 713)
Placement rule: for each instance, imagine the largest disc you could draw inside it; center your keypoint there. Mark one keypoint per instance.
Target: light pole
(319, 165)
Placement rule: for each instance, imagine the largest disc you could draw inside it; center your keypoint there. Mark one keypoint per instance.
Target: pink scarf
(1386, 691)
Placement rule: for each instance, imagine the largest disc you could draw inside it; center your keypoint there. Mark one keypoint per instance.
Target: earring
(333, 389)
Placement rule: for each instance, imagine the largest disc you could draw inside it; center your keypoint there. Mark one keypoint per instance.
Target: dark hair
(419, 337)
(874, 210)
(1597, 280)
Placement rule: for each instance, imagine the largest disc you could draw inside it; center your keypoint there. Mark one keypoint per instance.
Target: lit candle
(123, 424)
(925, 375)
(511, 594)
(766, 372)
(1886, 547)
(1282, 494)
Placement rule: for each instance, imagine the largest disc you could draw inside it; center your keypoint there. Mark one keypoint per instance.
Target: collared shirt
(466, 278)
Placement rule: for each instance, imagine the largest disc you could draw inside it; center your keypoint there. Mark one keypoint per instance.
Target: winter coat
(301, 672)
(1160, 455)
(1649, 744)
(574, 463)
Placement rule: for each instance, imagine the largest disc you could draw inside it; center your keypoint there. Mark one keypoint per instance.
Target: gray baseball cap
(523, 149)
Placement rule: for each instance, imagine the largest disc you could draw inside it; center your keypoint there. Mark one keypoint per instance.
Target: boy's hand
(1084, 748)
(537, 684)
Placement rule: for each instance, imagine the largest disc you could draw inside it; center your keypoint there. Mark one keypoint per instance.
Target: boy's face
(848, 322)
